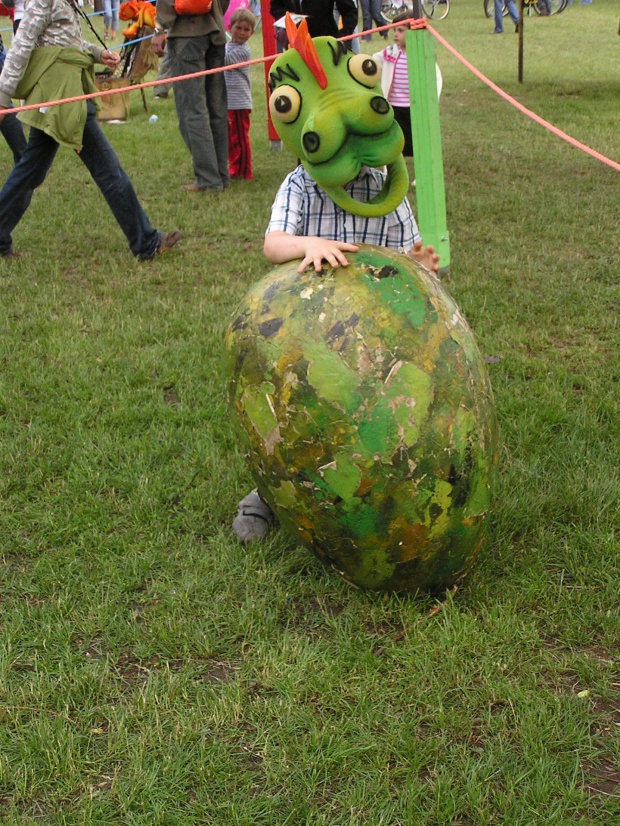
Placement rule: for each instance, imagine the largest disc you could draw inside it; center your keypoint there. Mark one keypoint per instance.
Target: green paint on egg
(367, 418)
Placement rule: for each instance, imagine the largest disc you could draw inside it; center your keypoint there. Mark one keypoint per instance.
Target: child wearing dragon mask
(337, 197)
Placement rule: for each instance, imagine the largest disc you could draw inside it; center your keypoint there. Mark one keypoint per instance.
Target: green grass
(152, 671)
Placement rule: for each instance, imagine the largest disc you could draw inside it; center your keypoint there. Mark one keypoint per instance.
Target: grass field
(153, 671)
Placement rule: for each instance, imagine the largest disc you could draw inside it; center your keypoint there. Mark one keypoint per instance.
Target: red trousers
(239, 153)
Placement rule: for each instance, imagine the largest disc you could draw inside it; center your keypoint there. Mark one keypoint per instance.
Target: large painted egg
(367, 417)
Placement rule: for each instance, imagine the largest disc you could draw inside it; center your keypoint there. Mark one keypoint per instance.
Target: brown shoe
(194, 188)
(11, 255)
(168, 240)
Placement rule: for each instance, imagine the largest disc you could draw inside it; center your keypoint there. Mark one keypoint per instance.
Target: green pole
(426, 139)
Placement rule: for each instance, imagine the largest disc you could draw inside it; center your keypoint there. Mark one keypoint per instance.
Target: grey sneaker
(254, 518)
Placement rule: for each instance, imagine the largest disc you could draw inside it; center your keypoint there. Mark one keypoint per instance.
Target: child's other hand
(425, 256)
(319, 249)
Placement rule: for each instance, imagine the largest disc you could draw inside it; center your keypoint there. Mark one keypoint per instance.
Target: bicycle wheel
(436, 9)
(489, 8)
(557, 6)
(389, 10)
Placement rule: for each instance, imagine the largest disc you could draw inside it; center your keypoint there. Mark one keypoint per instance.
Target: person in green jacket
(48, 61)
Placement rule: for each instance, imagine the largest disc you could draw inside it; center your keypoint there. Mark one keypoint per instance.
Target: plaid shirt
(302, 208)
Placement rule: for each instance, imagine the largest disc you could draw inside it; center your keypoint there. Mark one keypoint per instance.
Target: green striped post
(426, 138)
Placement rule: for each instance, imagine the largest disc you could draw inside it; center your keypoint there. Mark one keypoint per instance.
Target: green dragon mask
(328, 109)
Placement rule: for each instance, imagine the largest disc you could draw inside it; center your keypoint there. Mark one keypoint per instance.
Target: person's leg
(402, 116)
(217, 105)
(114, 23)
(25, 177)
(377, 16)
(187, 55)
(107, 18)
(366, 18)
(101, 161)
(163, 90)
(239, 153)
(512, 11)
(13, 134)
(499, 10)
(233, 144)
(246, 150)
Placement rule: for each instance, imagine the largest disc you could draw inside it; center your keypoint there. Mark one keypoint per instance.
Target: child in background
(395, 80)
(241, 27)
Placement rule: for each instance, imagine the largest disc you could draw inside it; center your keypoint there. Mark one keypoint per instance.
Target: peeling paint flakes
(306, 293)
(271, 407)
(328, 466)
(395, 368)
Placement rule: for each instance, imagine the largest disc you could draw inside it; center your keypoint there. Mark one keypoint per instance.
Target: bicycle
(434, 9)
(538, 6)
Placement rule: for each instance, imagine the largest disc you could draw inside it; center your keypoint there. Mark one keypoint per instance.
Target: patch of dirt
(602, 778)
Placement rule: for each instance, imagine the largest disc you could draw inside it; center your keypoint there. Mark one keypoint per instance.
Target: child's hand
(425, 256)
(319, 249)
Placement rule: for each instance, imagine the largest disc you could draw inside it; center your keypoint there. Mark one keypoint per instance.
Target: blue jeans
(11, 128)
(102, 163)
(512, 11)
(371, 10)
(202, 107)
(110, 14)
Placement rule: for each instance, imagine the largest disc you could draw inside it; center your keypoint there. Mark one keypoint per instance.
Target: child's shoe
(254, 518)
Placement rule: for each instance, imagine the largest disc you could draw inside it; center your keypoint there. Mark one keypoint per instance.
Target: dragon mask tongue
(387, 200)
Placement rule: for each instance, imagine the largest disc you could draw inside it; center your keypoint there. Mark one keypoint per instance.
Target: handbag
(184, 7)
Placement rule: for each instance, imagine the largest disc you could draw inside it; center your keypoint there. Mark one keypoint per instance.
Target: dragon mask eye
(364, 70)
(284, 104)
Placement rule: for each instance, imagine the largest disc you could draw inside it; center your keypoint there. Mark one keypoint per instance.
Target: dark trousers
(402, 116)
(239, 152)
(102, 163)
(202, 107)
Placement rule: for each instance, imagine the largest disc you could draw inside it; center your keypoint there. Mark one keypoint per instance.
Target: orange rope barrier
(536, 118)
(415, 24)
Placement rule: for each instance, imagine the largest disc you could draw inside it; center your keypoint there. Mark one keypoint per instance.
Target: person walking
(196, 42)
(48, 60)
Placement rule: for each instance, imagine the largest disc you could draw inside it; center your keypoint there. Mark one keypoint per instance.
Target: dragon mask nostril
(311, 141)
(379, 105)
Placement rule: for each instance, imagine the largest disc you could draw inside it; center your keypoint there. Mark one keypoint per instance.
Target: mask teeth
(300, 40)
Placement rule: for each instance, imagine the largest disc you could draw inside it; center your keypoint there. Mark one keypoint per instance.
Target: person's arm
(280, 247)
(236, 53)
(32, 26)
(348, 12)
(165, 17)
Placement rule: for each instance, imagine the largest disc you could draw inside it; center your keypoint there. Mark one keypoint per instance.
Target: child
(241, 28)
(395, 80)
(305, 221)
(300, 212)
